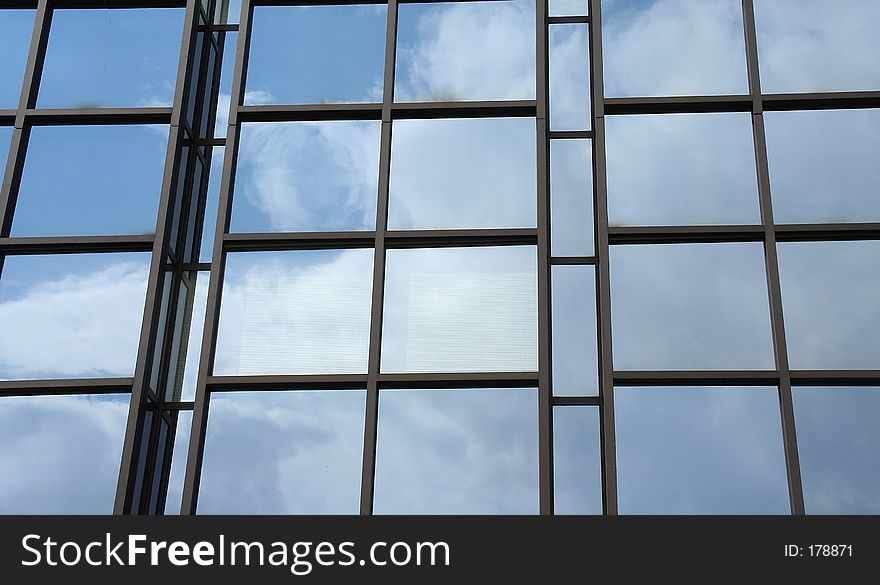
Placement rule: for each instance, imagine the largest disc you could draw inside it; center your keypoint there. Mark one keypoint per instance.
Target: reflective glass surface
(469, 451)
(224, 97)
(174, 495)
(577, 461)
(5, 142)
(569, 77)
(74, 315)
(830, 293)
(690, 306)
(16, 27)
(296, 312)
(459, 51)
(194, 340)
(61, 454)
(212, 203)
(91, 180)
(568, 7)
(715, 450)
(316, 54)
(296, 452)
(129, 58)
(463, 173)
(460, 310)
(574, 339)
(681, 169)
(571, 197)
(306, 176)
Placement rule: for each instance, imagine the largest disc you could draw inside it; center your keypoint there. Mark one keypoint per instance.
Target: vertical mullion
(796, 494)
(603, 273)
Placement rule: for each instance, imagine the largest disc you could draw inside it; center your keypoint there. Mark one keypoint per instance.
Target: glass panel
(194, 344)
(681, 169)
(227, 11)
(16, 27)
(671, 47)
(75, 315)
(463, 173)
(224, 94)
(700, 451)
(307, 176)
(283, 453)
(316, 54)
(814, 46)
(690, 306)
(174, 495)
(575, 338)
(128, 58)
(568, 7)
(571, 197)
(823, 165)
(295, 312)
(5, 142)
(577, 460)
(461, 310)
(569, 77)
(457, 452)
(91, 180)
(829, 298)
(837, 446)
(212, 203)
(61, 454)
(465, 51)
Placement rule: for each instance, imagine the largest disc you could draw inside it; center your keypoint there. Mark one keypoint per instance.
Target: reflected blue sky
(61, 454)
(227, 68)
(574, 336)
(91, 180)
(700, 451)
(5, 141)
(571, 197)
(77, 315)
(128, 58)
(577, 463)
(457, 452)
(174, 495)
(16, 27)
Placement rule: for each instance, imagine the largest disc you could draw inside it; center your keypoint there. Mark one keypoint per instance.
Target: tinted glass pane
(60, 454)
(194, 341)
(174, 495)
(829, 298)
(306, 176)
(460, 310)
(571, 197)
(283, 453)
(577, 463)
(128, 58)
(227, 11)
(16, 27)
(681, 169)
(575, 353)
(690, 306)
(569, 77)
(75, 315)
(91, 180)
(568, 7)
(5, 141)
(295, 312)
(206, 248)
(457, 452)
(815, 183)
(812, 45)
(700, 451)
(837, 447)
(224, 97)
(673, 47)
(316, 54)
(465, 51)
(473, 173)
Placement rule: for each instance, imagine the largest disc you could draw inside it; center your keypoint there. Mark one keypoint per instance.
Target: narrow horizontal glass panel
(817, 46)
(295, 312)
(174, 494)
(461, 310)
(690, 307)
(459, 51)
(296, 452)
(830, 293)
(129, 58)
(837, 448)
(571, 197)
(681, 169)
(569, 77)
(316, 54)
(823, 165)
(75, 315)
(568, 7)
(577, 460)
(715, 450)
(16, 27)
(673, 47)
(446, 451)
(463, 173)
(306, 176)
(575, 338)
(224, 96)
(61, 454)
(91, 181)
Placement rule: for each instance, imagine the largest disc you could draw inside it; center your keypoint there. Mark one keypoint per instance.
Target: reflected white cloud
(574, 334)
(569, 77)
(577, 463)
(571, 197)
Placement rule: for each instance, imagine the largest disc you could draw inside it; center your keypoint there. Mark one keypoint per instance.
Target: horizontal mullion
(684, 234)
(678, 104)
(118, 3)
(821, 101)
(287, 382)
(65, 387)
(836, 377)
(178, 405)
(70, 116)
(241, 242)
(403, 111)
(229, 27)
(458, 380)
(309, 112)
(575, 401)
(76, 244)
(827, 231)
(464, 109)
(568, 20)
(574, 261)
(7, 117)
(696, 378)
(466, 237)
(570, 134)
(314, 2)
